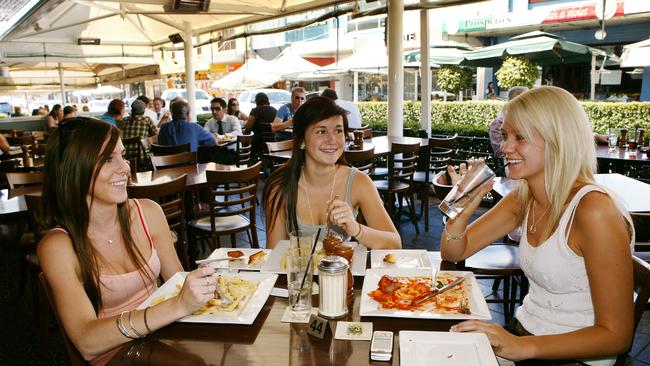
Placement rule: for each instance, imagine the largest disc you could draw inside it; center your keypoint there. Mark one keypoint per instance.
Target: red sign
(575, 13)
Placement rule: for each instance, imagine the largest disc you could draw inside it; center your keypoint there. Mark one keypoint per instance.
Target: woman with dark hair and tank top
(105, 252)
(576, 247)
(316, 187)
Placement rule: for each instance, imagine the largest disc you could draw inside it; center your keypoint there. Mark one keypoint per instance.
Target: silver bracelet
(122, 328)
(133, 330)
(451, 237)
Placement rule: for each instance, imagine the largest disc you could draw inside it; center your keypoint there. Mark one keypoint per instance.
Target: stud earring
(302, 146)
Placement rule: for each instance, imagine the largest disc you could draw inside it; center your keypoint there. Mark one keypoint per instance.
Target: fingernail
(453, 328)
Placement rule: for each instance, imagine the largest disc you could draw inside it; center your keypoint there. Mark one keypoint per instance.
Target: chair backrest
(279, 146)
(161, 150)
(35, 210)
(171, 198)
(439, 154)
(18, 180)
(361, 159)
(440, 185)
(233, 192)
(641, 288)
(641, 222)
(135, 150)
(75, 357)
(244, 148)
(402, 161)
(170, 161)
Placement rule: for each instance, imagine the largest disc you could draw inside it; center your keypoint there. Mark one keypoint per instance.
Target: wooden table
(267, 342)
(382, 145)
(634, 194)
(196, 177)
(618, 153)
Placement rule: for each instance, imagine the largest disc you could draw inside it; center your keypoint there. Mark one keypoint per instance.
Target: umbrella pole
(61, 85)
(592, 94)
(425, 73)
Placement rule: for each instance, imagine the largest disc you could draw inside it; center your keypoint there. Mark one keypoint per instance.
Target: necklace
(311, 216)
(533, 227)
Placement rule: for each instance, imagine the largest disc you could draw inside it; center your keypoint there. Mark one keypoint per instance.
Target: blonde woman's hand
(456, 176)
(504, 343)
(468, 173)
(197, 290)
(341, 214)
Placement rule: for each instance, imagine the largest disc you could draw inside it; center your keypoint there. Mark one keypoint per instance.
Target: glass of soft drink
(300, 271)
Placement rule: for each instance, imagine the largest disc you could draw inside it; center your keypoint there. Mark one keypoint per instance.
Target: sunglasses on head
(65, 130)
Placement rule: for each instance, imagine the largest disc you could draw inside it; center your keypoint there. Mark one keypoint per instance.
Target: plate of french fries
(246, 294)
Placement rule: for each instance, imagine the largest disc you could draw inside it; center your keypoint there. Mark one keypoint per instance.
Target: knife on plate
(211, 260)
(440, 291)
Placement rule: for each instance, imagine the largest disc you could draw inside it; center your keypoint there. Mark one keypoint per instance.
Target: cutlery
(440, 291)
(210, 260)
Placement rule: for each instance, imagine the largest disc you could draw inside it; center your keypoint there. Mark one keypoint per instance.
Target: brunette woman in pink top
(105, 252)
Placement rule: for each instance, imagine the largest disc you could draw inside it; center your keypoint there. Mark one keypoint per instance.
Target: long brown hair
(73, 159)
(281, 189)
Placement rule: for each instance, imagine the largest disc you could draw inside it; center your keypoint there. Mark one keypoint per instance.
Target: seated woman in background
(55, 116)
(260, 121)
(580, 269)
(233, 109)
(303, 194)
(102, 258)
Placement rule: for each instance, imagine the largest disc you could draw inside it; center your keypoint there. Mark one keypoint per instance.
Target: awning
(636, 54)
(539, 47)
(444, 53)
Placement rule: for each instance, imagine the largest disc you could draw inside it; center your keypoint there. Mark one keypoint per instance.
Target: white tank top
(559, 298)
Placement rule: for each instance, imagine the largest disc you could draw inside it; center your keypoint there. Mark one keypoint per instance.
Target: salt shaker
(346, 251)
(333, 285)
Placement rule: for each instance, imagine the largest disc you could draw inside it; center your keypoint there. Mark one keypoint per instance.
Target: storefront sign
(575, 13)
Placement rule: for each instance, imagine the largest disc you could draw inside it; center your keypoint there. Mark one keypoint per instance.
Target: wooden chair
(437, 156)
(19, 180)
(161, 150)
(244, 149)
(641, 222)
(642, 291)
(174, 160)
(135, 151)
(232, 197)
(75, 357)
(402, 162)
(171, 197)
(361, 159)
(270, 164)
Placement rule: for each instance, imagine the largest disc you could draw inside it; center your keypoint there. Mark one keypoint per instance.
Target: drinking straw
(480, 184)
(311, 257)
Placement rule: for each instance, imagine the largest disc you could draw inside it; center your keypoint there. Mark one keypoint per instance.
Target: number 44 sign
(317, 326)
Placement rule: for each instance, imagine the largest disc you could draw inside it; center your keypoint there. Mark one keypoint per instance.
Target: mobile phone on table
(381, 346)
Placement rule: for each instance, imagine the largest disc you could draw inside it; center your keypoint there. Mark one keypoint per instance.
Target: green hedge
(473, 118)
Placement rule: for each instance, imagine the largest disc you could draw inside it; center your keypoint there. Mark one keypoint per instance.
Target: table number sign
(317, 326)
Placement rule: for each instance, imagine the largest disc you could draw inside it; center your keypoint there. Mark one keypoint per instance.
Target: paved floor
(21, 343)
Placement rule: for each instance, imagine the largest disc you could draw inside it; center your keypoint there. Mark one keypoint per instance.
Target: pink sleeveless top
(126, 291)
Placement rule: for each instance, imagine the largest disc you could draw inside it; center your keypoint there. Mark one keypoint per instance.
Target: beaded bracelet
(449, 236)
(135, 331)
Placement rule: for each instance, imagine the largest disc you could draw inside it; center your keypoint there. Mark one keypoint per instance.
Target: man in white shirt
(161, 113)
(224, 126)
(148, 112)
(354, 116)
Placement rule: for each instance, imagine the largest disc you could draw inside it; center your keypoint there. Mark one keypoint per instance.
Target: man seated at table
(226, 128)
(136, 125)
(354, 116)
(181, 131)
(114, 113)
(69, 112)
(284, 118)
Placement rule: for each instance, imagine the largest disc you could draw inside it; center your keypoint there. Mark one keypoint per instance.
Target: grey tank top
(323, 228)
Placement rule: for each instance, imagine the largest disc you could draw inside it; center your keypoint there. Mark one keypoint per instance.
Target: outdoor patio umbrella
(444, 53)
(540, 47)
(636, 54)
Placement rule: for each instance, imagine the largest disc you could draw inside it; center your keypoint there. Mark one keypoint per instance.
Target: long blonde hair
(569, 153)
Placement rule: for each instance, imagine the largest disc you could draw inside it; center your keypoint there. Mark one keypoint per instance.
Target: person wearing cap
(136, 125)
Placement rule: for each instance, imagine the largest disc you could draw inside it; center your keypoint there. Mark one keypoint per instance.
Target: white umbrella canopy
(102, 90)
(255, 73)
(636, 54)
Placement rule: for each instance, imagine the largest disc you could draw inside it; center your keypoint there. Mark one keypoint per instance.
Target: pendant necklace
(311, 216)
(533, 227)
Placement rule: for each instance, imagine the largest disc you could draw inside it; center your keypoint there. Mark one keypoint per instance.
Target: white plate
(247, 315)
(274, 262)
(369, 307)
(444, 348)
(238, 264)
(404, 258)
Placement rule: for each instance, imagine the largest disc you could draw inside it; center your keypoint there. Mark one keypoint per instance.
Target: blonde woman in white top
(576, 242)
